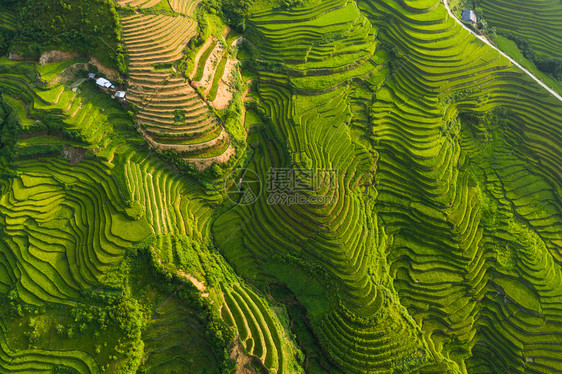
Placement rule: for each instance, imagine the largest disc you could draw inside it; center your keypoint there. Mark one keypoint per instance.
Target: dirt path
(225, 32)
(242, 360)
(225, 90)
(111, 74)
(543, 85)
(56, 56)
(196, 282)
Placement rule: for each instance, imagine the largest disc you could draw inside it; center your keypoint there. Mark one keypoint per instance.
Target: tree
(236, 12)
(60, 329)
(9, 129)
(11, 3)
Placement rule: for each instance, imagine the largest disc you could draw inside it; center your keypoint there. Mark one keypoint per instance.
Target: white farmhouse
(120, 95)
(104, 83)
(469, 16)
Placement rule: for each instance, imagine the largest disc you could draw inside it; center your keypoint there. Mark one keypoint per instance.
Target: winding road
(556, 95)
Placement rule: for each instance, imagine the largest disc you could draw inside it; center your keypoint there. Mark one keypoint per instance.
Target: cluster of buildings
(106, 85)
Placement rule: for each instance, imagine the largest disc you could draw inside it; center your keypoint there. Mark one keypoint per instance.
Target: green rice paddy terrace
(421, 231)
(537, 21)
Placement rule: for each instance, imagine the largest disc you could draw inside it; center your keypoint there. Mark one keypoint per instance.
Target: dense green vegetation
(120, 233)
(8, 24)
(235, 12)
(421, 231)
(9, 129)
(91, 28)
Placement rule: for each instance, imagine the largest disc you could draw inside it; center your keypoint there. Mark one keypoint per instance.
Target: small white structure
(120, 95)
(91, 75)
(104, 83)
(469, 16)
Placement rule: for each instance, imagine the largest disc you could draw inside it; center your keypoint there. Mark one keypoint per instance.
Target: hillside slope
(425, 132)
(171, 112)
(106, 255)
(397, 209)
(537, 21)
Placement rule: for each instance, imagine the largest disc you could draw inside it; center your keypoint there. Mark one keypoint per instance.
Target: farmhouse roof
(120, 94)
(469, 16)
(102, 82)
(91, 75)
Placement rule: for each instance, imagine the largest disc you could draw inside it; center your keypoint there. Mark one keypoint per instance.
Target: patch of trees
(485, 127)
(549, 65)
(288, 4)
(6, 37)
(234, 12)
(10, 4)
(484, 27)
(28, 70)
(9, 130)
(91, 28)
(16, 308)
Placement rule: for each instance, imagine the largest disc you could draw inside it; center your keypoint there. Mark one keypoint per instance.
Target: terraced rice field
(256, 326)
(172, 206)
(68, 223)
(186, 7)
(90, 114)
(67, 240)
(37, 361)
(47, 225)
(8, 19)
(537, 21)
(324, 227)
(173, 341)
(171, 113)
(55, 212)
(64, 222)
(141, 3)
(421, 231)
(429, 225)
